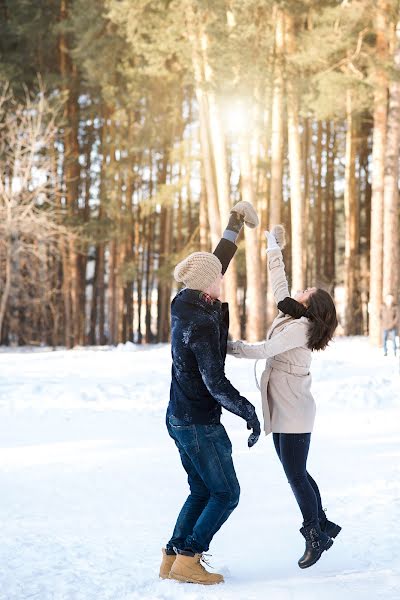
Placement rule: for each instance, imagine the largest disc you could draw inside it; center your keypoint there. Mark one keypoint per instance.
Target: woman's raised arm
(276, 268)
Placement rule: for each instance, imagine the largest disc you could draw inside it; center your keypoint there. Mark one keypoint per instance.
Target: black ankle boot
(330, 528)
(316, 542)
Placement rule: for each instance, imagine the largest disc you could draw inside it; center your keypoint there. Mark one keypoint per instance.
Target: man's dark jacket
(199, 387)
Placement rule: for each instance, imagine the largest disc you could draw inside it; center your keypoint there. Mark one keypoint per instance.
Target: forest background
(129, 128)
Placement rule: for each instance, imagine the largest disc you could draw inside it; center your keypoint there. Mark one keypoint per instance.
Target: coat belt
(288, 367)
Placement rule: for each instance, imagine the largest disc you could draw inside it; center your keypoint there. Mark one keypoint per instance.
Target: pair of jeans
(292, 450)
(386, 334)
(206, 455)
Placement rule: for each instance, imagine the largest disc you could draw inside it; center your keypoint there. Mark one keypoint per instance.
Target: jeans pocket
(217, 435)
(185, 435)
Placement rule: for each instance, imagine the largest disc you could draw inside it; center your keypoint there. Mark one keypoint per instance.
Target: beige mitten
(248, 213)
(280, 235)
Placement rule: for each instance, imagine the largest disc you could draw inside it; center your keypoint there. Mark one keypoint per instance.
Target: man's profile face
(215, 289)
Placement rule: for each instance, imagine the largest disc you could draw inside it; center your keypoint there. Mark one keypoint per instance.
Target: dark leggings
(292, 450)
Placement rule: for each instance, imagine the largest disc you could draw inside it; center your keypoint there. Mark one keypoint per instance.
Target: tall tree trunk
(351, 209)
(318, 206)
(223, 187)
(296, 198)
(391, 179)
(330, 216)
(255, 313)
(309, 216)
(164, 286)
(204, 245)
(194, 34)
(277, 142)
(69, 75)
(378, 158)
(83, 256)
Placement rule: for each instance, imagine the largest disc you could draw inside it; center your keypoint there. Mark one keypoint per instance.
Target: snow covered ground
(90, 482)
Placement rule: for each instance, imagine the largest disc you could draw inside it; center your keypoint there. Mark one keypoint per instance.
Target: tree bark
(193, 28)
(296, 197)
(318, 206)
(223, 188)
(351, 209)
(277, 143)
(378, 158)
(330, 211)
(254, 310)
(391, 178)
(69, 75)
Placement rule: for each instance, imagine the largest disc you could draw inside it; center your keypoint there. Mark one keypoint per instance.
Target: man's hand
(254, 424)
(246, 210)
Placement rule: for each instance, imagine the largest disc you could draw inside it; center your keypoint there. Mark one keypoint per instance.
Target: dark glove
(290, 306)
(254, 424)
(235, 222)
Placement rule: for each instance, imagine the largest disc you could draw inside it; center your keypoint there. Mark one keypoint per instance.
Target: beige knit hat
(198, 271)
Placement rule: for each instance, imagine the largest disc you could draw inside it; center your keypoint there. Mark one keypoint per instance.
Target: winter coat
(199, 387)
(389, 316)
(285, 384)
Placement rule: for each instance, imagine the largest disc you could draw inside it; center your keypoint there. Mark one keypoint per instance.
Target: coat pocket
(297, 384)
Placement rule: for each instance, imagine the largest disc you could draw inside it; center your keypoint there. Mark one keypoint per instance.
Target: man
(199, 388)
(389, 316)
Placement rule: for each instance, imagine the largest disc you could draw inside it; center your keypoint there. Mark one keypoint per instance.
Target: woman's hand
(233, 348)
(276, 238)
(272, 244)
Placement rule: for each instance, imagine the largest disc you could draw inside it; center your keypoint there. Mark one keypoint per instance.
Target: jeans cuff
(191, 544)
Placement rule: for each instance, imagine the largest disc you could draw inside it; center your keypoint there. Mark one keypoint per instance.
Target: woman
(303, 324)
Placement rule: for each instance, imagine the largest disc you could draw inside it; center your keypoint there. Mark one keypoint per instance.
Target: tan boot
(166, 564)
(190, 570)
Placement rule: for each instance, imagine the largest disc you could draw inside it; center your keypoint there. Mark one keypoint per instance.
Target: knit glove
(254, 424)
(246, 210)
(272, 244)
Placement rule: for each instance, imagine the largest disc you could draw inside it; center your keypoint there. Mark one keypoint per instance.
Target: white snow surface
(91, 483)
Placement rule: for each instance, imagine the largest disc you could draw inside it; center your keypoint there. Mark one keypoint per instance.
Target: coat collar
(194, 297)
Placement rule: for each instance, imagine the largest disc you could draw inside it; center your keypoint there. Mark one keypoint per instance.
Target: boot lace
(205, 561)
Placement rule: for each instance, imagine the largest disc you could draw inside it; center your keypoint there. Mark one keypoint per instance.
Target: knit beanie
(198, 271)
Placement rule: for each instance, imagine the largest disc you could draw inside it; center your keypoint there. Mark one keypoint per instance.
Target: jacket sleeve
(293, 336)
(205, 345)
(225, 251)
(277, 274)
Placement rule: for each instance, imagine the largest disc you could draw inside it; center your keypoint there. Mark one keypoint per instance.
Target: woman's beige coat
(288, 405)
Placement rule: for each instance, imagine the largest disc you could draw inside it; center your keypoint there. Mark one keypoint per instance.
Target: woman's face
(303, 296)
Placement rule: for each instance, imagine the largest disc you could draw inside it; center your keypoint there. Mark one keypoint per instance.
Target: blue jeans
(386, 334)
(292, 450)
(206, 455)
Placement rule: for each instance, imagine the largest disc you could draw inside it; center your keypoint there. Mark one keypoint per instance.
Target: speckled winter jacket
(199, 387)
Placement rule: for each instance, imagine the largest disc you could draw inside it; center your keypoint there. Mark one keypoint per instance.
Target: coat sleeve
(225, 251)
(292, 336)
(277, 273)
(205, 345)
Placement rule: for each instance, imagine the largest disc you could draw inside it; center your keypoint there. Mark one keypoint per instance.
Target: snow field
(91, 484)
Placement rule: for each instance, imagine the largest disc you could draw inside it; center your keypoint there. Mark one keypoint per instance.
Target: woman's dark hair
(322, 313)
